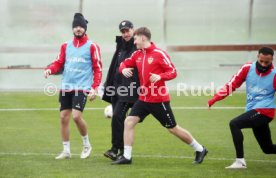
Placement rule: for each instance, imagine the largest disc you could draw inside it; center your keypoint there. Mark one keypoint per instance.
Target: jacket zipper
(143, 66)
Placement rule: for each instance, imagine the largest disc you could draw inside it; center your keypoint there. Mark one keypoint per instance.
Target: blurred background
(33, 30)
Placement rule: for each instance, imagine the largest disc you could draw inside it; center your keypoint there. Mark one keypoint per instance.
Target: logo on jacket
(150, 59)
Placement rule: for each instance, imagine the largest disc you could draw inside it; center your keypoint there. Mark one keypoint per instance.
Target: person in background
(82, 75)
(114, 81)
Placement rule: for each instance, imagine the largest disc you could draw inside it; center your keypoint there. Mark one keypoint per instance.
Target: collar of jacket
(150, 48)
(78, 42)
(127, 44)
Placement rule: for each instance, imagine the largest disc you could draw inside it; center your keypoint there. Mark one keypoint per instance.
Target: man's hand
(127, 72)
(210, 103)
(154, 78)
(92, 94)
(47, 72)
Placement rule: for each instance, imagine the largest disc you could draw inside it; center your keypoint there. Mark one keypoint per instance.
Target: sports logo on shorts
(150, 59)
(78, 105)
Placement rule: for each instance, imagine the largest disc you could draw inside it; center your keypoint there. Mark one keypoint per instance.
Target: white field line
(137, 156)
(175, 108)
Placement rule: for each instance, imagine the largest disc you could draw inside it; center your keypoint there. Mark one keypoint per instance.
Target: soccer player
(154, 68)
(81, 60)
(121, 102)
(260, 103)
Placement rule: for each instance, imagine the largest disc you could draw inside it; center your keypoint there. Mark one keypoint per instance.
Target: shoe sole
(85, 157)
(235, 167)
(63, 158)
(128, 163)
(112, 158)
(121, 163)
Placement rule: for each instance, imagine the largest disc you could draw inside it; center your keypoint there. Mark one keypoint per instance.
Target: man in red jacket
(154, 68)
(260, 78)
(82, 75)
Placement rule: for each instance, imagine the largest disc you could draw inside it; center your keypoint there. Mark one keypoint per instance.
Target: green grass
(29, 141)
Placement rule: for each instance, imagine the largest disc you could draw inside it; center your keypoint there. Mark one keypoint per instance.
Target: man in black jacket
(115, 88)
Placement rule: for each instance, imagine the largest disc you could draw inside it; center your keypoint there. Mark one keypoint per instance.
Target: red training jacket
(147, 61)
(236, 82)
(95, 56)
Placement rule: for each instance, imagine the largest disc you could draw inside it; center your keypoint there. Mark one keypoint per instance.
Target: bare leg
(64, 124)
(130, 123)
(80, 122)
(182, 134)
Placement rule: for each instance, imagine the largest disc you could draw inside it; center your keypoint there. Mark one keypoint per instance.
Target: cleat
(200, 156)
(122, 160)
(237, 165)
(112, 154)
(64, 155)
(86, 151)
(120, 153)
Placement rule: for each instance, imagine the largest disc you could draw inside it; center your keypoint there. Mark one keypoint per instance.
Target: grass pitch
(30, 140)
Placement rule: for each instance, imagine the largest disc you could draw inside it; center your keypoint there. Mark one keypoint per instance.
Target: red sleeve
(167, 65)
(96, 65)
(129, 62)
(233, 84)
(59, 62)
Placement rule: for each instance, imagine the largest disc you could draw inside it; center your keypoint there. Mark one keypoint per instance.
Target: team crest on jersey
(150, 59)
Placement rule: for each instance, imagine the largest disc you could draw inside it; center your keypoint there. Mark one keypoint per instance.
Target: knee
(232, 124)
(76, 117)
(64, 119)
(173, 130)
(118, 116)
(129, 122)
(267, 150)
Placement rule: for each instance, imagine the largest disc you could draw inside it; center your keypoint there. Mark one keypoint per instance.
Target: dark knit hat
(79, 20)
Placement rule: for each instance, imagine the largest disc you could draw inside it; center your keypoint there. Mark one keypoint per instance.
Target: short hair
(266, 51)
(143, 31)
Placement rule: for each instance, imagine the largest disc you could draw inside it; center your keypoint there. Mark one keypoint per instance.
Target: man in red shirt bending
(154, 68)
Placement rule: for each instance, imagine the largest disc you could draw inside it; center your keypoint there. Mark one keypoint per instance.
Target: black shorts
(72, 100)
(161, 111)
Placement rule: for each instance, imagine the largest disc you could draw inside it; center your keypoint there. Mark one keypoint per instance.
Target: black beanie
(79, 20)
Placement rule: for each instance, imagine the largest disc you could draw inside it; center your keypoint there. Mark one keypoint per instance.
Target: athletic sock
(196, 146)
(66, 146)
(127, 152)
(85, 140)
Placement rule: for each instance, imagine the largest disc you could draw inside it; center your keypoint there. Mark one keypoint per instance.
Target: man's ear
(143, 38)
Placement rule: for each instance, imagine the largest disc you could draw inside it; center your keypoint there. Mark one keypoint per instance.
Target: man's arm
(236, 81)
(167, 65)
(96, 65)
(58, 63)
(128, 64)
